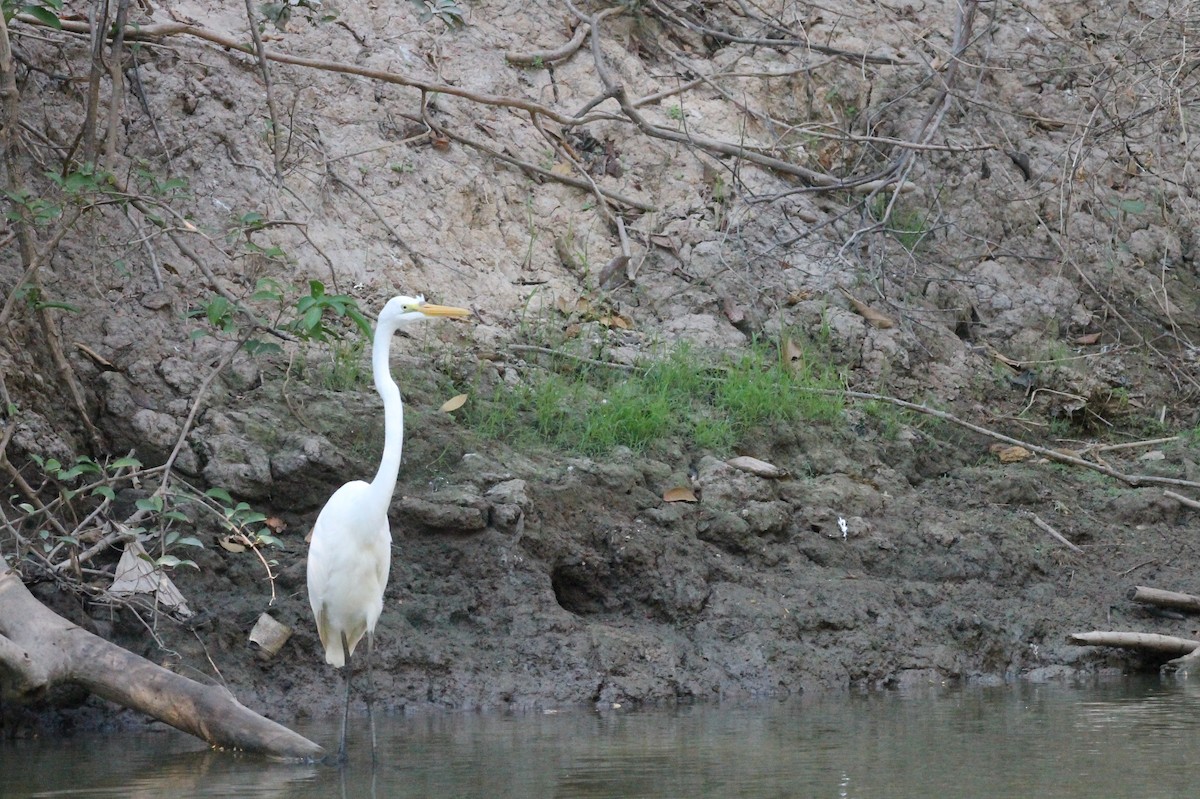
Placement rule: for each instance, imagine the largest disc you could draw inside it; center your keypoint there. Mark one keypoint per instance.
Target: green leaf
(219, 494)
(153, 504)
(252, 517)
(358, 319)
(168, 561)
(170, 537)
(178, 516)
(52, 465)
(44, 16)
(125, 463)
(316, 288)
(104, 491)
(311, 321)
(267, 538)
(256, 346)
(190, 541)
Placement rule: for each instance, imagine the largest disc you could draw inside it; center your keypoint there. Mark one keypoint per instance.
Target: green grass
(706, 401)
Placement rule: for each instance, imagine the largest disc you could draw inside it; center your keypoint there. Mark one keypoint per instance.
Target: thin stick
(1182, 500)
(1054, 533)
(276, 134)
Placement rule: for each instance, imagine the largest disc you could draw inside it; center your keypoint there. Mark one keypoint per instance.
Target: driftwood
(39, 648)
(1145, 642)
(1165, 599)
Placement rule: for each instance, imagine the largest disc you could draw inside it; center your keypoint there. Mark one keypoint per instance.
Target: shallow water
(1135, 738)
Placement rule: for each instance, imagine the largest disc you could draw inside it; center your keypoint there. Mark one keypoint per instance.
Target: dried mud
(900, 550)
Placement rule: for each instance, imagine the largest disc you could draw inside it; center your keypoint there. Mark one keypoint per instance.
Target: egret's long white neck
(393, 416)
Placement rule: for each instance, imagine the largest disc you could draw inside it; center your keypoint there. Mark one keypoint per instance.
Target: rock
(238, 465)
(453, 509)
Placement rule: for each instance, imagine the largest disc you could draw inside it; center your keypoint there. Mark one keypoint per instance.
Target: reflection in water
(1118, 740)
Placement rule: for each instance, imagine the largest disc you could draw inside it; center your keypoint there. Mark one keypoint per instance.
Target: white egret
(350, 552)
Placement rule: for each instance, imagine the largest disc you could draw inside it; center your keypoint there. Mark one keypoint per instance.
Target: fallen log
(1145, 642)
(1165, 599)
(39, 649)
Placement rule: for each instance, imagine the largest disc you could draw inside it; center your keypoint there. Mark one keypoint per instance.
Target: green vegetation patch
(707, 400)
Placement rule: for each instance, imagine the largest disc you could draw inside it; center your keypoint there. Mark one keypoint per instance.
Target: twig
(276, 134)
(569, 180)
(1182, 500)
(854, 57)
(536, 58)
(560, 354)
(1054, 533)
(116, 81)
(1051, 454)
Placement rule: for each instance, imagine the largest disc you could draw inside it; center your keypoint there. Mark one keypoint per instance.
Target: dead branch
(533, 169)
(673, 15)
(1182, 500)
(1143, 642)
(537, 58)
(1054, 533)
(272, 109)
(40, 649)
(1165, 599)
(1136, 480)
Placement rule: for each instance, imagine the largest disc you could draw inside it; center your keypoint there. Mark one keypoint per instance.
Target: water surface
(1135, 738)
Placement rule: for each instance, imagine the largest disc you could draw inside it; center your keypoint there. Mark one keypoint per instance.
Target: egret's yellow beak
(443, 310)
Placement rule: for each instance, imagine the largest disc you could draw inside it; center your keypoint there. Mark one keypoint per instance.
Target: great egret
(350, 552)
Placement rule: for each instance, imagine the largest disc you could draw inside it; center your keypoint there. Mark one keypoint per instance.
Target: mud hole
(1037, 277)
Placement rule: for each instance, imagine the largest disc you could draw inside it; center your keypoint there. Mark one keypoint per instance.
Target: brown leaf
(454, 403)
(873, 317)
(680, 494)
(230, 545)
(666, 242)
(793, 355)
(1013, 454)
(799, 296)
(1087, 339)
(276, 524)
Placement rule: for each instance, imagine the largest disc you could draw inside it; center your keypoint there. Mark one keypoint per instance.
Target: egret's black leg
(370, 696)
(341, 758)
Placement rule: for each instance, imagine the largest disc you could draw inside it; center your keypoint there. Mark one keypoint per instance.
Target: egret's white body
(350, 553)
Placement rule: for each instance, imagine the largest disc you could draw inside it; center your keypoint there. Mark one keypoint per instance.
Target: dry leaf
(1013, 454)
(564, 306)
(799, 296)
(136, 574)
(276, 524)
(733, 311)
(1153, 455)
(562, 169)
(792, 354)
(874, 317)
(229, 545)
(270, 635)
(1087, 339)
(756, 466)
(616, 320)
(454, 403)
(680, 494)
(666, 242)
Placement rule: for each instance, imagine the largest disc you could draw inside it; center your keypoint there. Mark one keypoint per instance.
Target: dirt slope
(1035, 274)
